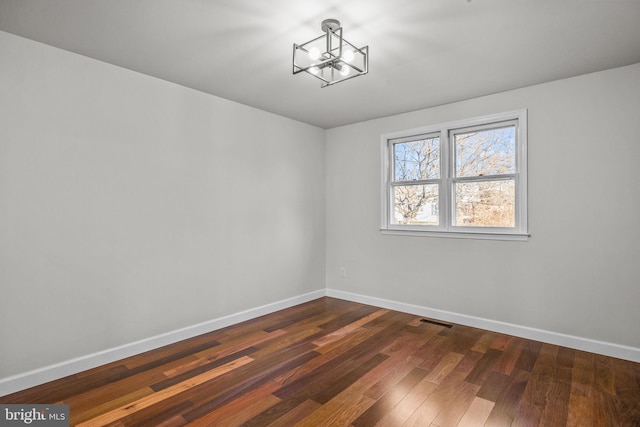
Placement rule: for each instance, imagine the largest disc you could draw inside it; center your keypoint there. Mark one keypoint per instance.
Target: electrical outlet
(343, 272)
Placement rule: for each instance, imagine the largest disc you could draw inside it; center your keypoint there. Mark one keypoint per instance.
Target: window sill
(458, 234)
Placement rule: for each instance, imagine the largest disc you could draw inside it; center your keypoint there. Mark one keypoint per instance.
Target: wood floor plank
(528, 413)
(484, 342)
(115, 390)
(235, 344)
(444, 368)
(434, 349)
(339, 411)
(175, 421)
(485, 365)
(494, 386)
(542, 375)
(477, 413)
(85, 410)
(604, 375)
(390, 399)
(581, 403)
(354, 314)
(627, 392)
(468, 362)
(330, 362)
(289, 340)
(464, 338)
(240, 382)
(604, 409)
(426, 412)
(510, 355)
(391, 377)
(507, 403)
(336, 351)
(528, 356)
(165, 411)
(343, 362)
(297, 414)
(340, 333)
(452, 412)
(237, 415)
(346, 342)
(175, 351)
(167, 393)
(408, 405)
(168, 382)
(500, 342)
(556, 404)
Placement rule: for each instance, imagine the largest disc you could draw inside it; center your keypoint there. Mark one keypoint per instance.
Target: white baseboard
(49, 373)
(579, 343)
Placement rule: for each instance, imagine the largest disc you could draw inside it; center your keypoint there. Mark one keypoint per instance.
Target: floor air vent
(435, 322)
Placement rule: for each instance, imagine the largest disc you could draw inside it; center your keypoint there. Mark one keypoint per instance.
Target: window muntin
(461, 179)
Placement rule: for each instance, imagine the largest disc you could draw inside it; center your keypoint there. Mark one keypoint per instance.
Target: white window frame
(447, 180)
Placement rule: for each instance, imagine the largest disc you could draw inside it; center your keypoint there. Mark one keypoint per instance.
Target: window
(462, 179)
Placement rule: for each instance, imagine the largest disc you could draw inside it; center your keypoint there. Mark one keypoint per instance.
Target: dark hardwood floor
(336, 363)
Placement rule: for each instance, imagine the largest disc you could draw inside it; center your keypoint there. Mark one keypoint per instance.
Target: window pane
(486, 152)
(415, 204)
(485, 204)
(417, 160)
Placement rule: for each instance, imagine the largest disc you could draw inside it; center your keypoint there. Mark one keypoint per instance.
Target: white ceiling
(423, 52)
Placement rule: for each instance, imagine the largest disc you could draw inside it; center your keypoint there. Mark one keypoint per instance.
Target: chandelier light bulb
(345, 71)
(314, 53)
(348, 56)
(314, 70)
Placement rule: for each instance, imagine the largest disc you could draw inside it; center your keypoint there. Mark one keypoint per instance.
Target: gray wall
(579, 274)
(130, 207)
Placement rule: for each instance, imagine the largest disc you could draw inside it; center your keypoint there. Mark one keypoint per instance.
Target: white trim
(579, 343)
(385, 207)
(457, 234)
(25, 380)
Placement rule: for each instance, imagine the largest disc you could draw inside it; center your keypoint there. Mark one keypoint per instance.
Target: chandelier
(330, 57)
